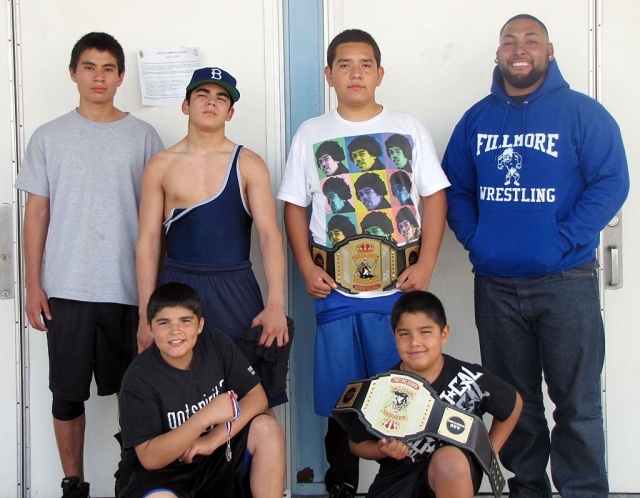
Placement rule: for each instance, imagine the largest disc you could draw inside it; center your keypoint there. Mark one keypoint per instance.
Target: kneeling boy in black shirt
(178, 412)
(429, 467)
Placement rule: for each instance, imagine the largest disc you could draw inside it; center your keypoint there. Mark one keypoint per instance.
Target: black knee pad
(66, 410)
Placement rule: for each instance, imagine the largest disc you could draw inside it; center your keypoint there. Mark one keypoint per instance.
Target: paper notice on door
(165, 74)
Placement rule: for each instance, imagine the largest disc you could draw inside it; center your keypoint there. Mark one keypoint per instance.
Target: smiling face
(175, 332)
(419, 341)
(97, 76)
(354, 75)
(523, 56)
(369, 197)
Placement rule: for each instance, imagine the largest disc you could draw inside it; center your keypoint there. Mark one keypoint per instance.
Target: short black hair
(339, 186)
(370, 180)
(405, 214)
(402, 142)
(400, 177)
(102, 42)
(419, 302)
(352, 36)
(367, 143)
(343, 224)
(332, 149)
(377, 219)
(174, 295)
(525, 16)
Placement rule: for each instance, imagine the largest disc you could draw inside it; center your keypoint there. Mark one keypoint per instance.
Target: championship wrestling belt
(404, 406)
(365, 263)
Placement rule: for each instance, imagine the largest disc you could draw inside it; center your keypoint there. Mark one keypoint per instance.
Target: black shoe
(344, 490)
(73, 488)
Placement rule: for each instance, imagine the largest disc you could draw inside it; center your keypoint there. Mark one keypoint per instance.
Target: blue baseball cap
(216, 76)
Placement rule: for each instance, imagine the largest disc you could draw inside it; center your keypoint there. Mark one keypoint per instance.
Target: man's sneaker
(344, 490)
(73, 488)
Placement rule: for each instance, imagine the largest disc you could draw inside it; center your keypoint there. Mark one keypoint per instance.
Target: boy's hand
(36, 302)
(414, 278)
(274, 327)
(220, 409)
(393, 448)
(318, 282)
(143, 336)
(201, 446)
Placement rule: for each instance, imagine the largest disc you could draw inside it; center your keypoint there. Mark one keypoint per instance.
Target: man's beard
(523, 80)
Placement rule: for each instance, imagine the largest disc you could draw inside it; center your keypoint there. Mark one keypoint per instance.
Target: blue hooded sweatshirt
(532, 185)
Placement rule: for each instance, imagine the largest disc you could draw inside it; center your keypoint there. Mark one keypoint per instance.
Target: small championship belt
(404, 406)
(364, 263)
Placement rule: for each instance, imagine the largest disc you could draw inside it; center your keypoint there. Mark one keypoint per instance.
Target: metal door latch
(611, 246)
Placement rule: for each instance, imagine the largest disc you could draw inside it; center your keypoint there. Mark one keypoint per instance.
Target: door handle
(7, 275)
(611, 245)
(615, 266)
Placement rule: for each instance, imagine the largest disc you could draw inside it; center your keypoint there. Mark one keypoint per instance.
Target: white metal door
(11, 413)
(438, 59)
(245, 38)
(620, 61)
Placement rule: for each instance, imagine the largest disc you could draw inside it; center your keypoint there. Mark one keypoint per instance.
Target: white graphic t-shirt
(362, 177)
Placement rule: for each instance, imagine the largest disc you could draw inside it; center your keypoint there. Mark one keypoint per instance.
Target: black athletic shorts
(412, 481)
(209, 476)
(86, 339)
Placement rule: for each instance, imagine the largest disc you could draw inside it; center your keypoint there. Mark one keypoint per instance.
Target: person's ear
(328, 76)
(445, 334)
(380, 75)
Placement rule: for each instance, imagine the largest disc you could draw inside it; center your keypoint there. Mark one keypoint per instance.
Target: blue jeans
(553, 328)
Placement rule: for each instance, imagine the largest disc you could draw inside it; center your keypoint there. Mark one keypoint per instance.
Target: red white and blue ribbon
(229, 424)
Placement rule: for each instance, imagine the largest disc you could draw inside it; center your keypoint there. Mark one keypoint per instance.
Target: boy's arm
(318, 282)
(149, 244)
(500, 431)
(252, 404)
(434, 214)
(160, 451)
(36, 227)
(263, 209)
(382, 448)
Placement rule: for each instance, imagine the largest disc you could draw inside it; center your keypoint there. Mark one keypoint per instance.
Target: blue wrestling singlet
(217, 230)
(208, 247)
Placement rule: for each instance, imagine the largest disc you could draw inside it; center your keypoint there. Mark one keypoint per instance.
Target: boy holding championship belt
(429, 466)
(354, 301)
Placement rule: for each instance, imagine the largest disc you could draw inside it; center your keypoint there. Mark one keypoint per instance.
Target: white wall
(438, 58)
(241, 37)
(620, 63)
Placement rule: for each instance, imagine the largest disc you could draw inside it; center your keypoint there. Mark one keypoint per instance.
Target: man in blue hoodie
(537, 171)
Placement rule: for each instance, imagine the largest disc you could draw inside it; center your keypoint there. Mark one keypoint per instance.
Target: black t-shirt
(465, 385)
(156, 397)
